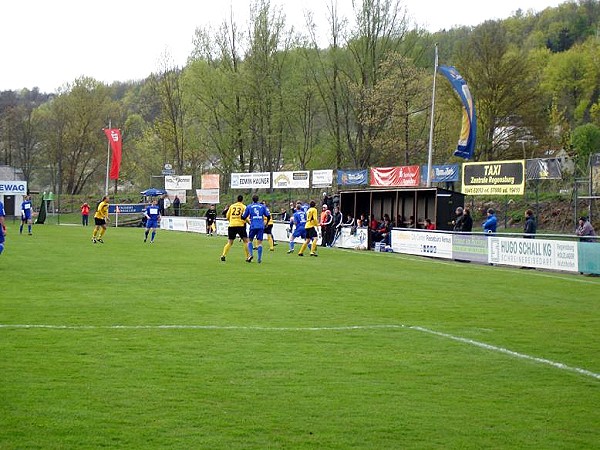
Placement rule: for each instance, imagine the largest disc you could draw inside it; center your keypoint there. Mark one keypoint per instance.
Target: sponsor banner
(352, 177)
(208, 196)
(116, 144)
(196, 225)
(322, 178)
(494, 178)
(291, 179)
(441, 174)
(357, 241)
(173, 223)
(127, 208)
(210, 181)
(543, 254)
(438, 245)
(395, 176)
(222, 227)
(470, 247)
(251, 180)
(466, 141)
(178, 182)
(13, 187)
(543, 169)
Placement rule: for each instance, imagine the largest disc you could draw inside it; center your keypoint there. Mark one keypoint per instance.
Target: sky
(49, 43)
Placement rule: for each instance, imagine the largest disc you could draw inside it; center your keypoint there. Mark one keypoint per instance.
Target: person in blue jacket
(489, 226)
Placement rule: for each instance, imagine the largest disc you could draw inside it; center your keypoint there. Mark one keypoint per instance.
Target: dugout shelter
(401, 204)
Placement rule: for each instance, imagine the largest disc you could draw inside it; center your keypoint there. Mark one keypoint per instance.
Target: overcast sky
(47, 43)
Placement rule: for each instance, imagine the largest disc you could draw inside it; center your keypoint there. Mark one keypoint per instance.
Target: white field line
(493, 348)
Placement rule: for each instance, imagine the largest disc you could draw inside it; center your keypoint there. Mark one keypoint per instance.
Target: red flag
(114, 137)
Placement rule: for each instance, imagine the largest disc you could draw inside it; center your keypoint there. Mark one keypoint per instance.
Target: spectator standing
(459, 219)
(491, 223)
(530, 225)
(85, 214)
(211, 220)
(167, 204)
(176, 205)
(467, 223)
(327, 200)
(161, 205)
(585, 230)
(325, 222)
(337, 222)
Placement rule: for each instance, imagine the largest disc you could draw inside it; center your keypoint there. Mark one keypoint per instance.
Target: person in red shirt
(326, 228)
(85, 214)
(429, 225)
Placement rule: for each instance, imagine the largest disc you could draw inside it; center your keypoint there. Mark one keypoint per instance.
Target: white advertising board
(251, 180)
(422, 243)
(291, 179)
(544, 254)
(178, 182)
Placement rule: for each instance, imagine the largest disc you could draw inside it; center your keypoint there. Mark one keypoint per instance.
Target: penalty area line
(512, 353)
(483, 345)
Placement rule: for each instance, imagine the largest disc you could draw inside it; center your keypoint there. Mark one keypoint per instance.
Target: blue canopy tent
(153, 192)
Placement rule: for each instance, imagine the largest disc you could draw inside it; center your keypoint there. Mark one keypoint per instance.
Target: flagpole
(430, 155)
(107, 160)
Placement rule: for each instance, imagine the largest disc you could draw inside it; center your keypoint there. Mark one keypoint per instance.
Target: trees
(381, 26)
(504, 84)
(262, 99)
(169, 125)
(585, 141)
(73, 143)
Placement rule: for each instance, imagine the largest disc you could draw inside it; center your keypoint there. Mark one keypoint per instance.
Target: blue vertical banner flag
(466, 141)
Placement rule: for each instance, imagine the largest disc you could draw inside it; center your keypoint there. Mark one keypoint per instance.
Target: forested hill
(272, 99)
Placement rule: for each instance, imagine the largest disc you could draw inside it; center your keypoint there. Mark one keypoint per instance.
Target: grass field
(128, 345)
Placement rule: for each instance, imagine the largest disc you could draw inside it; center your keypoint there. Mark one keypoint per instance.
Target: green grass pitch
(131, 345)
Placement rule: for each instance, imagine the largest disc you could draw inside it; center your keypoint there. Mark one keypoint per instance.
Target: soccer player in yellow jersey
(269, 230)
(312, 222)
(237, 227)
(100, 219)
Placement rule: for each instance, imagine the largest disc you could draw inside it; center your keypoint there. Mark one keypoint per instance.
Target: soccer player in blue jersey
(152, 220)
(256, 213)
(299, 221)
(2, 227)
(26, 210)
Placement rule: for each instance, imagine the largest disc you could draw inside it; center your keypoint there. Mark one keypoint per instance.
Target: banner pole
(107, 160)
(430, 153)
